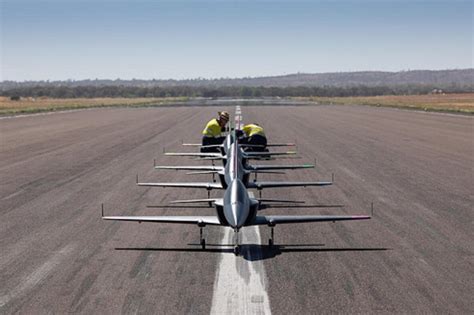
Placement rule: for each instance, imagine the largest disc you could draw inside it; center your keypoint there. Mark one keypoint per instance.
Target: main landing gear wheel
(270, 240)
(236, 243)
(202, 240)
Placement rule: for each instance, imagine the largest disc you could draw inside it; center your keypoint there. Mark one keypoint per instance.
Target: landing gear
(209, 196)
(202, 240)
(236, 243)
(270, 240)
(213, 174)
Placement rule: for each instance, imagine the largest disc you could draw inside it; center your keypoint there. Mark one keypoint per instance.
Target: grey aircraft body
(245, 168)
(236, 209)
(234, 165)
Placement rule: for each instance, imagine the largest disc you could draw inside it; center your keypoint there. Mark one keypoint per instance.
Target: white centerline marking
(36, 276)
(48, 113)
(240, 285)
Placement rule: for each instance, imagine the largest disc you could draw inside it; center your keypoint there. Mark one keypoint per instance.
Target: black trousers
(211, 141)
(256, 140)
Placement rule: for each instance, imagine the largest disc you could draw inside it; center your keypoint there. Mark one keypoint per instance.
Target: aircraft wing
(263, 154)
(245, 145)
(195, 154)
(206, 185)
(277, 167)
(281, 144)
(212, 158)
(191, 168)
(217, 145)
(261, 185)
(282, 219)
(211, 146)
(200, 220)
(264, 200)
(203, 172)
(195, 200)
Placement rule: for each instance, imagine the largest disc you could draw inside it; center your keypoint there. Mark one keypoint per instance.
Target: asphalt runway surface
(416, 255)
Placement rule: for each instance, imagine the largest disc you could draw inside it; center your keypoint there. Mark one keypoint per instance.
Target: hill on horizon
(335, 79)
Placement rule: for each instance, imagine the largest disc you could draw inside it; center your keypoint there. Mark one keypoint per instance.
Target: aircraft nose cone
(236, 207)
(241, 218)
(234, 216)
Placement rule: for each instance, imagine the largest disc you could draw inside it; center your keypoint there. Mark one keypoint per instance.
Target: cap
(224, 115)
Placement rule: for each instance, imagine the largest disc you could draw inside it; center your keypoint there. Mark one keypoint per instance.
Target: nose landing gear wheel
(202, 240)
(236, 242)
(270, 240)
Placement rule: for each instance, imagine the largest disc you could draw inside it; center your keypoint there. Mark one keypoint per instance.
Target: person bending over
(212, 133)
(254, 135)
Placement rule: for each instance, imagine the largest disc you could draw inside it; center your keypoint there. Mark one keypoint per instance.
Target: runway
(416, 255)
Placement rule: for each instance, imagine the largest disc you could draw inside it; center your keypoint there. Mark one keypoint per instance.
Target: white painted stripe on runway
(48, 113)
(240, 286)
(36, 276)
(238, 117)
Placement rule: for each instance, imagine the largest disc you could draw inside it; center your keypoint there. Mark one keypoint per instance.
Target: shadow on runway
(180, 206)
(256, 252)
(262, 207)
(177, 249)
(285, 206)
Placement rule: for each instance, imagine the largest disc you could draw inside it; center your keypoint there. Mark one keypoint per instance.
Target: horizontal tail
(262, 185)
(273, 220)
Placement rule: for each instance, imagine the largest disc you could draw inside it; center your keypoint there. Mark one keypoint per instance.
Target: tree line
(227, 91)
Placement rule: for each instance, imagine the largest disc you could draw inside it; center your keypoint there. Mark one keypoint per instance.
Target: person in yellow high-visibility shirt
(254, 135)
(212, 133)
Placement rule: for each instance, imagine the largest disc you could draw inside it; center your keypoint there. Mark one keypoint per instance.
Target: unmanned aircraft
(236, 209)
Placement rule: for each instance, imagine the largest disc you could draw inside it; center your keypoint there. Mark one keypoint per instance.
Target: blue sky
(79, 39)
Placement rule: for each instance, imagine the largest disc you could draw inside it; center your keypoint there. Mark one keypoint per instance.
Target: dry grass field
(41, 104)
(457, 103)
(461, 103)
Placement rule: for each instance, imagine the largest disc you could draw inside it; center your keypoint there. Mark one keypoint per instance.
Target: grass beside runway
(454, 103)
(30, 105)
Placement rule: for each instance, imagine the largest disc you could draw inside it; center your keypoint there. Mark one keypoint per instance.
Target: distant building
(437, 91)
